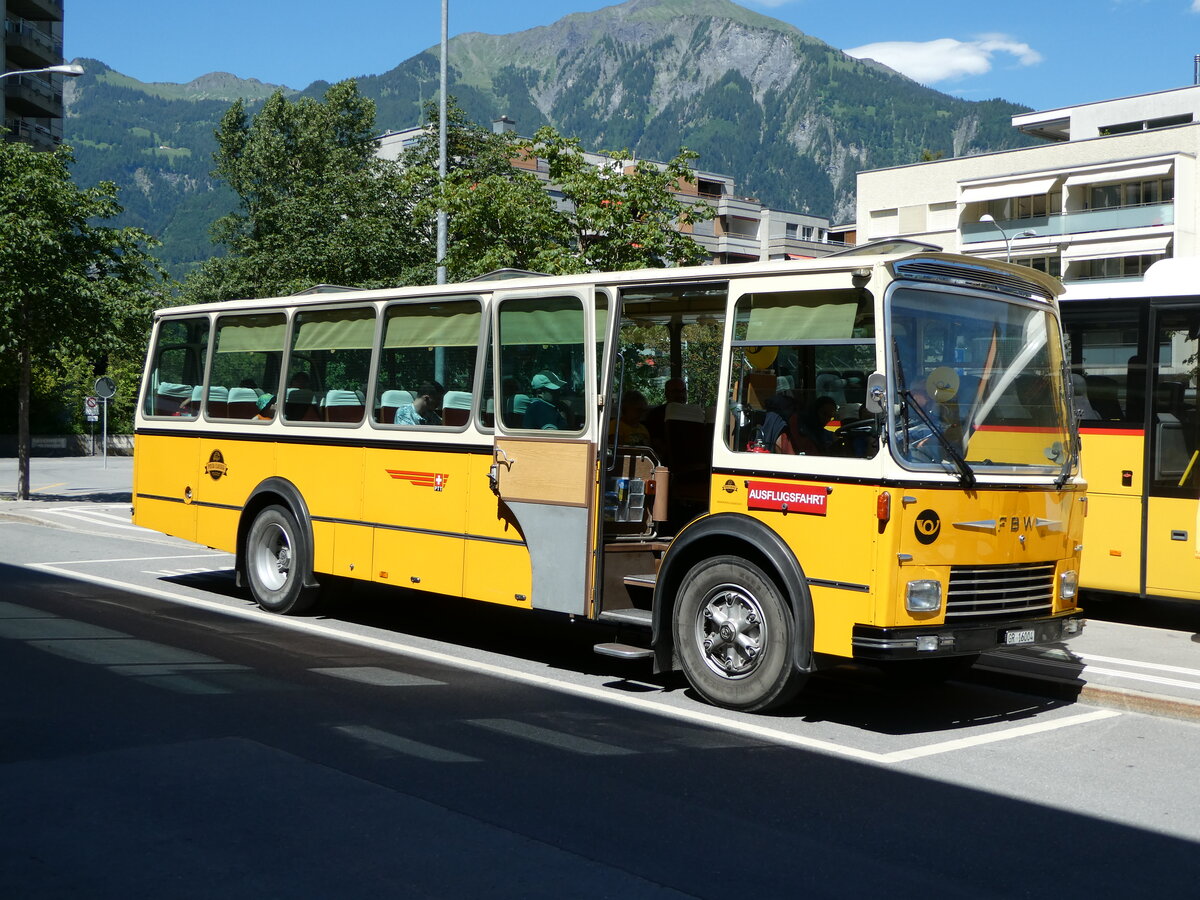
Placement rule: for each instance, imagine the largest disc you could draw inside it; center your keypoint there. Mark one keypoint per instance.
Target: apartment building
(743, 230)
(32, 105)
(1112, 190)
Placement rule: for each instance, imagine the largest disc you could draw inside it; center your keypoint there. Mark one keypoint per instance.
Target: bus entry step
(637, 617)
(623, 651)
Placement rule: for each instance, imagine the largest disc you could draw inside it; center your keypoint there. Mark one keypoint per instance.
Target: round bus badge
(928, 526)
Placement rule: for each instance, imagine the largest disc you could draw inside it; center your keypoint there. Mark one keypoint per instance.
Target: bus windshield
(977, 384)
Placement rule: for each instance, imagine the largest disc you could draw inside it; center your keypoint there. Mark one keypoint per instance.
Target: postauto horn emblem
(928, 526)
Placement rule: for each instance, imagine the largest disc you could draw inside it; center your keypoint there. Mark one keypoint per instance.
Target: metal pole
(105, 432)
(441, 215)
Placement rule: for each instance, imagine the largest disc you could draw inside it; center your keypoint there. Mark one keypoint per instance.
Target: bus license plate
(1022, 636)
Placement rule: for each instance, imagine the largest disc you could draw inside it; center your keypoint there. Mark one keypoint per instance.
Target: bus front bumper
(920, 642)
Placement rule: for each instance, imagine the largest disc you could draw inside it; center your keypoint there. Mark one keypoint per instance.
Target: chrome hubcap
(273, 558)
(730, 631)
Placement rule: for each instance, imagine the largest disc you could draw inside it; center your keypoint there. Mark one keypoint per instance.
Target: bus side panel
(1112, 533)
(330, 479)
(1173, 547)
(417, 500)
(838, 547)
(498, 568)
(164, 468)
(228, 471)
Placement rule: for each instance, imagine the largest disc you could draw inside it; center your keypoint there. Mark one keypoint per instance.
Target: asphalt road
(163, 736)
(158, 749)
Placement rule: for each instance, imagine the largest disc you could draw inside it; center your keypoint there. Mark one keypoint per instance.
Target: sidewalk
(75, 478)
(1140, 656)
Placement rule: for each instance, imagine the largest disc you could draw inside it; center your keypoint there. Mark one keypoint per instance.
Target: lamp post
(990, 219)
(441, 213)
(72, 70)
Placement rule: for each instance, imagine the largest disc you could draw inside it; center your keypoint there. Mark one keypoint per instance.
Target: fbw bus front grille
(979, 592)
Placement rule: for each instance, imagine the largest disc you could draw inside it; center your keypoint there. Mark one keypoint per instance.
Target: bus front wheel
(734, 633)
(274, 550)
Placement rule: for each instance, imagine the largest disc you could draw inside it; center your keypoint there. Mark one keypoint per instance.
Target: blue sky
(1041, 53)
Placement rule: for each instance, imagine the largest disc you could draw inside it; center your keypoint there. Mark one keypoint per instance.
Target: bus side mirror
(876, 393)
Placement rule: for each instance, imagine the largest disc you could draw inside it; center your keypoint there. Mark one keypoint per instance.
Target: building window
(1036, 206)
(789, 231)
(1114, 267)
(1051, 265)
(1132, 193)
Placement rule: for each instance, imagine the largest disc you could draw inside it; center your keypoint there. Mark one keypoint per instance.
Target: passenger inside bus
(426, 406)
(543, 412)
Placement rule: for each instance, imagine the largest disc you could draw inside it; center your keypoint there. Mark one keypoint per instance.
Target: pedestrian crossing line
(558, 739)
(1137, 676)
(407, 746)
(90, 520)
(171, 573)
(129, 559)
(378, 676)
(1137, 664)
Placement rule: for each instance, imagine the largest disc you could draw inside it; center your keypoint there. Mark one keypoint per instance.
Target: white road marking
(89, 520)
(550, 738)
(1158, 667)
(378, 676)
(1007, 734)
(1137, 676)
(390, 741)
(108, 559)
(692, 715)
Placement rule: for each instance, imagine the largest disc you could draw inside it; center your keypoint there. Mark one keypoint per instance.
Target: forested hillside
(791, 118)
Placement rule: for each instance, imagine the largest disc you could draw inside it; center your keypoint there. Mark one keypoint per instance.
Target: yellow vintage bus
(852, 478)
(1133, 355)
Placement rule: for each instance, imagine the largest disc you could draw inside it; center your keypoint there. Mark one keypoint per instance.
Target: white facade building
(1112, 191)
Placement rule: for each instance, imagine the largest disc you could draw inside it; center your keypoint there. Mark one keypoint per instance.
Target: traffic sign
(105, 387)
(91, 408)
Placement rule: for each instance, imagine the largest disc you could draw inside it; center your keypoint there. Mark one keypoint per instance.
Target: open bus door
(547, 434)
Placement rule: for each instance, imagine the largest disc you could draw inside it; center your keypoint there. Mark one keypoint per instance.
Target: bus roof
(850, 263)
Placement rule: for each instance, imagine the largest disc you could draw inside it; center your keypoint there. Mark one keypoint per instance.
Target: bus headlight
(923, 596)
(1068, 584)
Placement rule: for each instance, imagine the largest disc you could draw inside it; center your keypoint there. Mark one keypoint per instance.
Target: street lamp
(990, 219)
(73, 70)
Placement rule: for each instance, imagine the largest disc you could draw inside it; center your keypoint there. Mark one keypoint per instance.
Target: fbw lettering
(1016, 523)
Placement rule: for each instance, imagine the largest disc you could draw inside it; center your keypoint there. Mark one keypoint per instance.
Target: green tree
(625, 214)
(499, 214)
(68, 287)
(315, 205)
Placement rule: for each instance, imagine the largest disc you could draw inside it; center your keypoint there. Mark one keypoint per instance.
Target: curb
(1079, 691)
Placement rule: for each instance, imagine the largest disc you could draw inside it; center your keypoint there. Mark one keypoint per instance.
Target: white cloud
(1195, 5)
(946, 59)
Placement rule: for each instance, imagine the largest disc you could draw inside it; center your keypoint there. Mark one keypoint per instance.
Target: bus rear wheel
(734, 633)
(273, 553)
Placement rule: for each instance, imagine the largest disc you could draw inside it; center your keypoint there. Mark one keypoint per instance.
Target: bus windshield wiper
(965, 472)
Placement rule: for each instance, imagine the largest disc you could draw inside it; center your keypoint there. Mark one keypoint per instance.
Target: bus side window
(427, 364)
(329, 364)
(542, 363)
(247, 358)
(173, 384)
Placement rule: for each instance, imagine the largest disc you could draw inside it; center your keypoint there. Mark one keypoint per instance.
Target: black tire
(734, 633)
(275, 548)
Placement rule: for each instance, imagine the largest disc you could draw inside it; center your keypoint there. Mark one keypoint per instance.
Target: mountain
(155, 141)
(790, 117)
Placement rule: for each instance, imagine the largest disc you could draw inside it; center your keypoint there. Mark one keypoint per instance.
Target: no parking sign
(91, 408)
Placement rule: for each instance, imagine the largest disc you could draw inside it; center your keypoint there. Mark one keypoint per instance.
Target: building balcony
(25, 132)
(33, 97)
(28, 46)
(1081, 221)
(37, 10)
